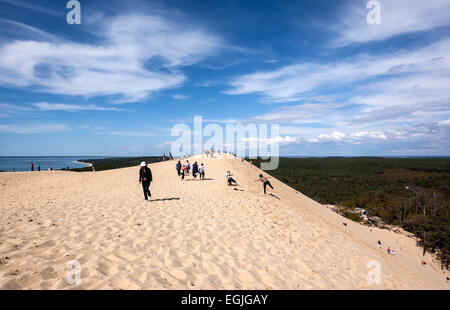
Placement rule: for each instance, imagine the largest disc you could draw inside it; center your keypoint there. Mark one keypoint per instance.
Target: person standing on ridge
(265, 182)
(145, 178)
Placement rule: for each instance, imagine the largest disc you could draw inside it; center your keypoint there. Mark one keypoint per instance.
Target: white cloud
(179, 97)
(142, 133)
(138, 55)
(34, 7)
(291, 82)
(270, 141)
(33, 128)
(354, 138)
(45, 106)
(397, 17)
(400, 97)
(444, 123)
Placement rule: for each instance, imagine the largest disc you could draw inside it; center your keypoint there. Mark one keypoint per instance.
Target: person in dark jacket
(179, 168)
(195, 169)
(145, 177)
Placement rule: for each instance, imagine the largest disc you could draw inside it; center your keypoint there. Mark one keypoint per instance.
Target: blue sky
(119, 81)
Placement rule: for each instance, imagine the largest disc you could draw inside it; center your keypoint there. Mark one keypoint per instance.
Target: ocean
(20, 163)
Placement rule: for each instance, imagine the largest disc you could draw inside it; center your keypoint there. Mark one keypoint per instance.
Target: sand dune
(193, 235)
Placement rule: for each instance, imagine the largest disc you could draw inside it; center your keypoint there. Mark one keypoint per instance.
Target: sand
(193, 235)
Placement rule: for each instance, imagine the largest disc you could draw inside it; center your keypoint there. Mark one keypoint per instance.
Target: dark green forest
(412, 193)
(116, 162)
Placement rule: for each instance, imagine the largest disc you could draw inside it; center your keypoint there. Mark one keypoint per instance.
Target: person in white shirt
(201, 170)
(230, 180)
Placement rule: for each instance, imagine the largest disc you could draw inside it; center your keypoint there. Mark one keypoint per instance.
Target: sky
(117, 83)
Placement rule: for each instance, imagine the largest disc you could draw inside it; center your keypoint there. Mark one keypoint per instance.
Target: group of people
(388, 250)
(184, 170)
(265, 181)
(145, 176)
(38, 166)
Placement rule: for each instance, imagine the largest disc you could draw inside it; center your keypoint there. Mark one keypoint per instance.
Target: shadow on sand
(165, 199)
(274, 196)
(205, 179)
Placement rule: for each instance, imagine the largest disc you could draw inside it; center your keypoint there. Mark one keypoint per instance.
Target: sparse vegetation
(413, 193)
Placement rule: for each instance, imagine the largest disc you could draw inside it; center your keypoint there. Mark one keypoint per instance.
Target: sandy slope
(194, 234)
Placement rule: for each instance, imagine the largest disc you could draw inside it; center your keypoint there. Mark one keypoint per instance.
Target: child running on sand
(265, 182)
(230, 180)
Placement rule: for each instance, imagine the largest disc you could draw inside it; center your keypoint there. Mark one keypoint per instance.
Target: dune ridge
(193, 235)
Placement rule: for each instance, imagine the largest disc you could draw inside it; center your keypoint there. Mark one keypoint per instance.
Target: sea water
(46, 162)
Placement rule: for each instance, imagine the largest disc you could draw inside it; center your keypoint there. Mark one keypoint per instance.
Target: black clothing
(145, 187)
(145, 175)
(231, 180)
(265, 185)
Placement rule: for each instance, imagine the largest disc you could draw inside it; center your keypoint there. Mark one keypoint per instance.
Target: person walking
(194, 170)
(379, 244)
(145, 178)
(188, 167)
(179, 168)
(201, 170)
(265, 182)
(39, 166)
(182, 172)
(32, 166)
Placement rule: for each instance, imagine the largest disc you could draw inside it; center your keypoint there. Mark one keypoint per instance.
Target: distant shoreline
(84, 163)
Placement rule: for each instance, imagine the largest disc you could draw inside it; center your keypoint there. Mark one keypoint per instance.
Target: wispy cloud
(143, 133)
(397, 17)
(33, 128)
(291, 82)
(123, 65)
(179, 97)
(45, 106)
(34, 7)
